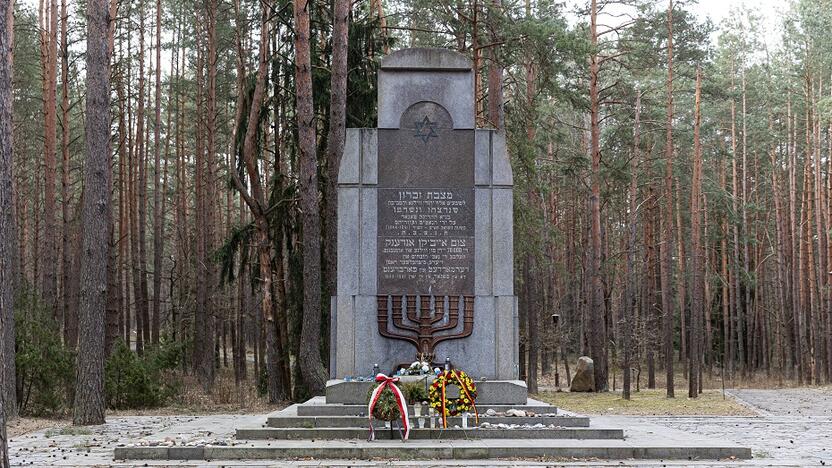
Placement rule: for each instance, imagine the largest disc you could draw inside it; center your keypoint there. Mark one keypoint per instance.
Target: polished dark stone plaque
(425, 207)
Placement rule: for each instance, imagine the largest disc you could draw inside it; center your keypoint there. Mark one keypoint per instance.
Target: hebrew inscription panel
(426, 209)
(426, 241)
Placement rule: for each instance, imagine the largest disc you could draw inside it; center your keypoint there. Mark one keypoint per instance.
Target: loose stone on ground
(780, 438)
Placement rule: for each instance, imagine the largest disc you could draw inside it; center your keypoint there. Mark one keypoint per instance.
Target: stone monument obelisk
(425, 229)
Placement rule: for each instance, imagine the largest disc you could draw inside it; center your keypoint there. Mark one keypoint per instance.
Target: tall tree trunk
(210, 198)
(312, 367)
(598, 336)
(682, 294)
(157, 195)
(183, 243)
(726, 297)
(821, 229)
(203, 331)
(532, 314)
(8, 397)
(70, 315)
(139, 195)
(496, 115)
(123, 200)
(828, 237)
(697, 276)
(50, 249)
(652, 291)
(112, 306)
(89, 389)
(746, 266)
(277, 383)
(629, 267)
(335, 137)
(172, 102)
(665, 246)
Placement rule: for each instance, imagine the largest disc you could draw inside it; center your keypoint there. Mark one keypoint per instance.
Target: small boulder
(584, 380)
(491, 412)
(516, 413)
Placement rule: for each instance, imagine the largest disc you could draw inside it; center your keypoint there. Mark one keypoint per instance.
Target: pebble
(491, 412)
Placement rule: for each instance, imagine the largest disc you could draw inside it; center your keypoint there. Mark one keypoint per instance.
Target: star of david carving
(425, 129)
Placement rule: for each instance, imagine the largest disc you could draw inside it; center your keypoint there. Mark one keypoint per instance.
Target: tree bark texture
(597, 322)
(8, 241)
(697, 269)
(666, 247)
(311, 365)
(335, 137)
(89, 389)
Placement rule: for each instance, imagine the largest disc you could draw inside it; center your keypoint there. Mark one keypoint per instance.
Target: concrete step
(329, 433)
(488, 391)
(361, 410)
(361, 421)
(445, 449)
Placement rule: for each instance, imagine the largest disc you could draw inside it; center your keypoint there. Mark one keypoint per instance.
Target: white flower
(425, 368)
(416, 365)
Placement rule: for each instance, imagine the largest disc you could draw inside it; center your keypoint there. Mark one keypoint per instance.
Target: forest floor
(789, 427)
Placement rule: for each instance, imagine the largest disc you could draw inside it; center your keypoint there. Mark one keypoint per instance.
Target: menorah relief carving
(424, 320)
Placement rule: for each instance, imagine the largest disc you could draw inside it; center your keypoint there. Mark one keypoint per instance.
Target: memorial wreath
(467, 395)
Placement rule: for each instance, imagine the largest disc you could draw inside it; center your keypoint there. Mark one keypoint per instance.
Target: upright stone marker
(425, 246)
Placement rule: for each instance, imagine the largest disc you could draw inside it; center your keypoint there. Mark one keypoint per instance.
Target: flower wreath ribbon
(462, 387)
(400, 402)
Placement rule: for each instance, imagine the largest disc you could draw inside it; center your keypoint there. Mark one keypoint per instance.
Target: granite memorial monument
(425, 246)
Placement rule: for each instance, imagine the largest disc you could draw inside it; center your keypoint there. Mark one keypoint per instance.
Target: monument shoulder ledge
(426, 59)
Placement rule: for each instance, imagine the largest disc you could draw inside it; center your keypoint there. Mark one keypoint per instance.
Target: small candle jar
(465, 420)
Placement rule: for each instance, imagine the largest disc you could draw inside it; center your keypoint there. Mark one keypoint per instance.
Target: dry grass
(20, 426)
(225, 398)
(647, 403)
(712, 379)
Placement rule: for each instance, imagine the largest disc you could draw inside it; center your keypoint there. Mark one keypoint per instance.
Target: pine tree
(8, 241)
(89, 388)
(311, 365)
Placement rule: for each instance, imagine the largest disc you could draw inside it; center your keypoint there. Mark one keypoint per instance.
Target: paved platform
(775, 441)
(794, 430)
(331, 436)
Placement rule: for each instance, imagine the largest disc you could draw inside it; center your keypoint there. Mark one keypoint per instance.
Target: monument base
(489, 392)
(323, 431)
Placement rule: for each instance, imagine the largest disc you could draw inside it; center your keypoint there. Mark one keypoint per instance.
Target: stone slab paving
(94, 445)
(809, 402)
(795, 432)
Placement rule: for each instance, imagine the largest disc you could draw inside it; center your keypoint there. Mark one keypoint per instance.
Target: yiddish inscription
(426, 241)
(426, 205)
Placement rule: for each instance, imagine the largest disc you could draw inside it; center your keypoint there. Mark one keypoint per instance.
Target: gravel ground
(794, 429)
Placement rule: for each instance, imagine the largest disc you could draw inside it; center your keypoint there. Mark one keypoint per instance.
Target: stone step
(492, 392)
(444, 449)
(361, 421)
(361, 410)
(450, 433)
